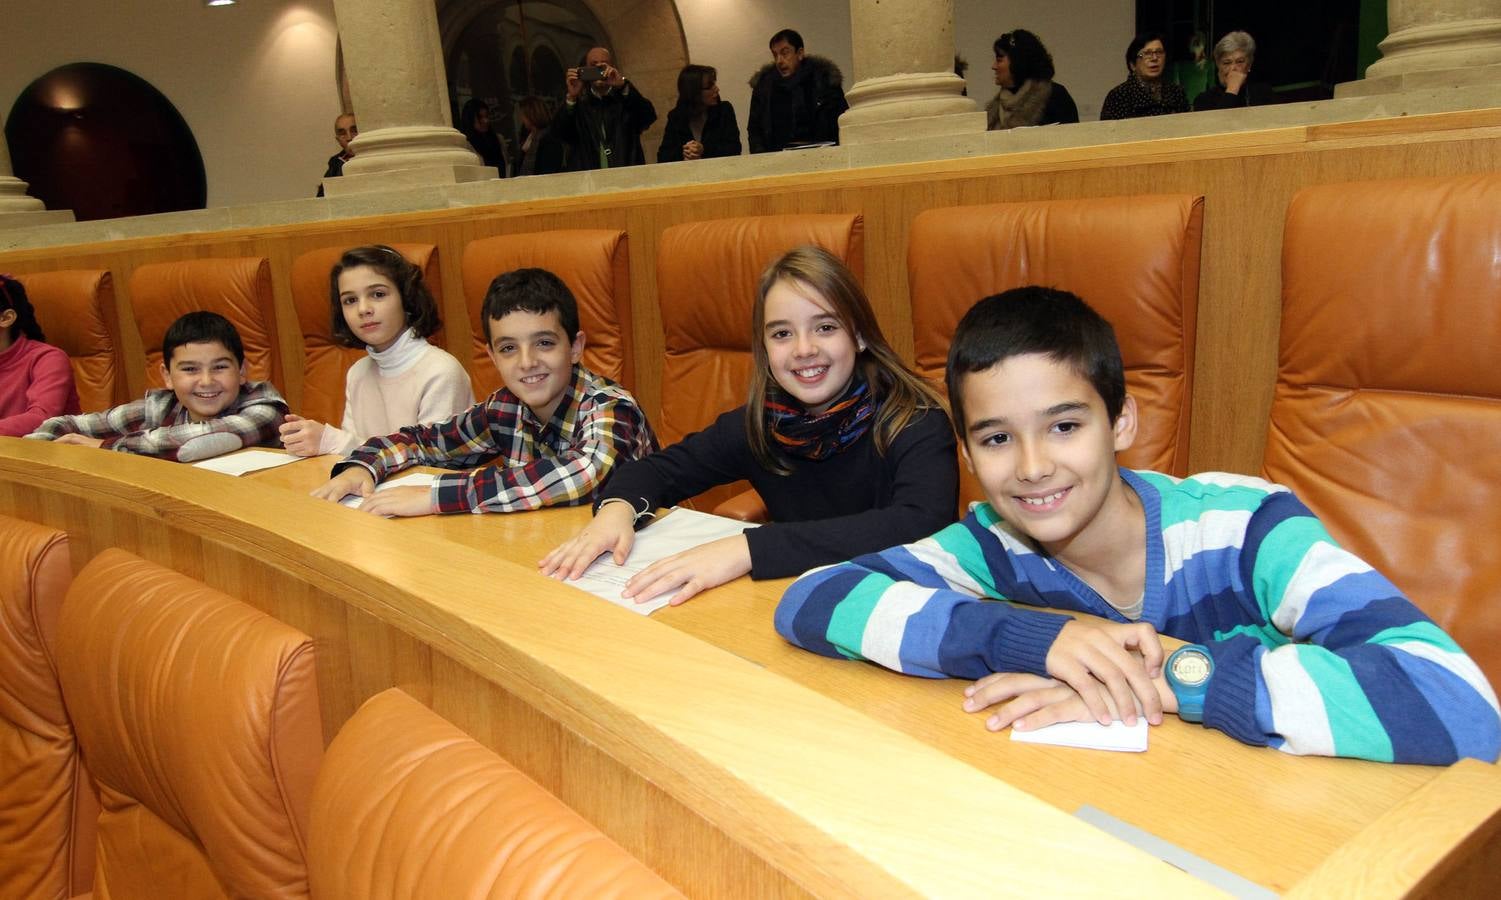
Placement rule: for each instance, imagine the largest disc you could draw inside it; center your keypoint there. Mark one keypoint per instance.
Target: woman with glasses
(1026, 92)
(1145, 92)
(1233, 56)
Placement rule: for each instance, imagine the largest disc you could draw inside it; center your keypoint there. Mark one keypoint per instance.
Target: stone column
(906, 88)
(17, 208)
(394, 60)
(1434, 44)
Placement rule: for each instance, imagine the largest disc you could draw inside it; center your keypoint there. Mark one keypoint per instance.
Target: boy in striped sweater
(1293, 642)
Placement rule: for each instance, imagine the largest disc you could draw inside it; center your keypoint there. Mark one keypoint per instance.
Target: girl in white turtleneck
(378, 300)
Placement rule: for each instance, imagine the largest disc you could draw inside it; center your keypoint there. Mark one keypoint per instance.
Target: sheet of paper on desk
(416, 479)
(683, 529)
(1090, 735)
(247, 461)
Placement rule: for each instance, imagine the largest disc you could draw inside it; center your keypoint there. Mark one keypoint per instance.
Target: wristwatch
(1189, 669)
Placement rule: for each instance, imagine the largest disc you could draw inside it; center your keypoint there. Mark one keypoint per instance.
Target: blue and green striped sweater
(1315, 652)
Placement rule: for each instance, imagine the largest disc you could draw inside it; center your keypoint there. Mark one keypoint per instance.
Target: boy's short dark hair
(200, 328)
(788, 35)
(1042, 320)
(530, 290)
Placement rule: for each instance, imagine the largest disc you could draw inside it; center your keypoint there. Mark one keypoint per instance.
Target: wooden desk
(1262, 814)
(720, 754)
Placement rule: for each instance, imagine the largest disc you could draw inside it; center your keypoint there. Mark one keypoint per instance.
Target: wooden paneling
(729, 779)
(1247, 179)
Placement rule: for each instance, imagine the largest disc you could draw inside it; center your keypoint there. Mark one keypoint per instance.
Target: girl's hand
(82, 440)
(693, 150)
(300, 436)
(613, 529)
(692, 571)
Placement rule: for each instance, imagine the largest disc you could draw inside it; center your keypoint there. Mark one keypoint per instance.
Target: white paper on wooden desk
(246, 461)
(1116, 736)
(416, 479)
(682, 530)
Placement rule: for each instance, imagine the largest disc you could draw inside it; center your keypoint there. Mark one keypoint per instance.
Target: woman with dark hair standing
(474, 121)
(1026, 93)
(1145, 92)
(700, 126)
(542, 152)
(36, 378)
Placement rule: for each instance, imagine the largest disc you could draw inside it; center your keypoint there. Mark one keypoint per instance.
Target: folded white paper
(1116, 736)
(682, 530)
(246, 461)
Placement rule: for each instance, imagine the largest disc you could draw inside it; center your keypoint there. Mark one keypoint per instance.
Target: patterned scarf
(805, 436)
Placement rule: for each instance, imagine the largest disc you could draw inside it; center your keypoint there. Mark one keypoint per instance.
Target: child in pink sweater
(36, 379)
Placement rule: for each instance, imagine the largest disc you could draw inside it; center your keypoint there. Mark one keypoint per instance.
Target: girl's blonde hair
(900, 392)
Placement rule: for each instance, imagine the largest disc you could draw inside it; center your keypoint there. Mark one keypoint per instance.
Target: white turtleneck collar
(400, 356)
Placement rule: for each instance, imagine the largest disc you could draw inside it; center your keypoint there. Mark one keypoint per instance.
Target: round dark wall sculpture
(104, 143)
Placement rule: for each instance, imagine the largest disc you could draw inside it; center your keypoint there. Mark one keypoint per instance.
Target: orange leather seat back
(325, 361)
(45, 830)
(707, 274)
(198, 718)
(237, 289)
(76, 310)
(407, 805)
(595, 264)
(1386, 418)
(1134, 259)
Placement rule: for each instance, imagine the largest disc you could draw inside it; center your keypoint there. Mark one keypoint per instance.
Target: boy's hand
(81, 440)
(1097, 661)
(696, 570)
(612, 530)
(1025, 701)
(301, 436)
(355, 480)
(412, 500)
(1028, 702)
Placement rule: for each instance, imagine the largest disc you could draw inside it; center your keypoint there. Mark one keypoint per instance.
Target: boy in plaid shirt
(207, 409)
(549, 437)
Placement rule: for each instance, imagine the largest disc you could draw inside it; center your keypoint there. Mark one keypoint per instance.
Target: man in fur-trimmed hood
(795, 98)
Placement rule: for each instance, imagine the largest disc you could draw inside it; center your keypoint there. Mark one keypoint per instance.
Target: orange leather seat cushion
(1386, 418)
(595, 264)
(198, 717)
(76, 309)
(238, 289)
(406, 805)
(1134, 259)
(707, 273)
(324, 361)
(45, 827)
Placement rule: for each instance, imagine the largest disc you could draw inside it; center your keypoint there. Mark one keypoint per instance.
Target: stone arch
(647, 39)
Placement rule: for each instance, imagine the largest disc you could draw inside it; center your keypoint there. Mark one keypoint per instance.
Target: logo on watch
(1189, 670)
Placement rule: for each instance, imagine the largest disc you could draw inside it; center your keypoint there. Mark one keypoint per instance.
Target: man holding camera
(603, 116)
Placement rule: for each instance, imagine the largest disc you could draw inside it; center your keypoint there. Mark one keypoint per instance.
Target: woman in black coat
(1233, 57)
(700, 126)
(474, 122)
(1026, 93)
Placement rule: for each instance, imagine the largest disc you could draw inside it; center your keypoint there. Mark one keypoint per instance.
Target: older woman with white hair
(1233, 57)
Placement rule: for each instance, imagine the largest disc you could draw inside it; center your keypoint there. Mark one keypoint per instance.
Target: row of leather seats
(1385, 410)
(163, 740)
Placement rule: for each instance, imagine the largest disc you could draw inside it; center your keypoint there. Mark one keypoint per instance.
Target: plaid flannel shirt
(515, 461)
(159, 425)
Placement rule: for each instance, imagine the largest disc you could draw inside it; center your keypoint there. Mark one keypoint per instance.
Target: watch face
(1191, 667)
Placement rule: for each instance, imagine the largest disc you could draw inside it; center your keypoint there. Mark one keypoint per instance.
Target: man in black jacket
(795, 99)
(603, 115)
